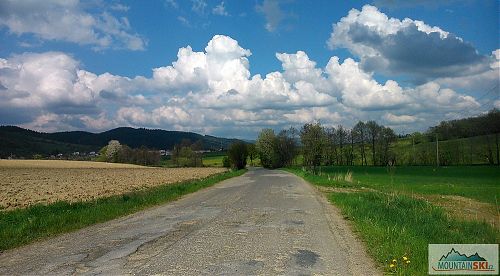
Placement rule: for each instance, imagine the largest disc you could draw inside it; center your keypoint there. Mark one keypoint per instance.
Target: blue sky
(92, 63)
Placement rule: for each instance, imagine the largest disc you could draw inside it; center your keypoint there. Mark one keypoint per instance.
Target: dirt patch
(466, 208)
(27, 182)
(343, 189)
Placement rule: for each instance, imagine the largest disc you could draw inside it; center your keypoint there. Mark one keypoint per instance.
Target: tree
(386, 137)
(265, 146)
(113, 150)
(225, 162)
(330, 155)
(237, 155)
(187, 157)
(341, 137)
(187, 154)
(373, 131)
(359, 133)
(350, 151)
(313, 139)
(252, 152)
(285, 147)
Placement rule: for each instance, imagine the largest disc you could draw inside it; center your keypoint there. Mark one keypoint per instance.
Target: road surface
(264, 222)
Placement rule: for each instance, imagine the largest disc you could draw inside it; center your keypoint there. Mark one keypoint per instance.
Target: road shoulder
(342, 231)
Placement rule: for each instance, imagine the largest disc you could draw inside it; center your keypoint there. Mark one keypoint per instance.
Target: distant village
(77, 155)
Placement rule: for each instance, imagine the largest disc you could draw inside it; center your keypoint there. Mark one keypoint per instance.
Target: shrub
(238, 154)
(225, 162)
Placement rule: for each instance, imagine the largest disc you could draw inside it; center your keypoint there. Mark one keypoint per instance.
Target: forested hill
(25, 142)
(485, 124)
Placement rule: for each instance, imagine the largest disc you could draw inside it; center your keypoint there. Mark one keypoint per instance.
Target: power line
(468, 112)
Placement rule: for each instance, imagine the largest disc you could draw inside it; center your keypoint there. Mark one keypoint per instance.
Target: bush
(225, 162)
(238, 154)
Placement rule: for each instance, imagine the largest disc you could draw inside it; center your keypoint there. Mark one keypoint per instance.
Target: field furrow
(27, 182)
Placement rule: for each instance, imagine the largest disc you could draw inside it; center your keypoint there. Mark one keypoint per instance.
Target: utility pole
(437, 151)
(413, 149)
(498, 152)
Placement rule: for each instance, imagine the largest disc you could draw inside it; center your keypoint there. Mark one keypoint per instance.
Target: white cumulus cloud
(213, 91)
(70, 21)
(393, 46)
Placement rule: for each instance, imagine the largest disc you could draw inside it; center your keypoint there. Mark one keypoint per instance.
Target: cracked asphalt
(262, 223)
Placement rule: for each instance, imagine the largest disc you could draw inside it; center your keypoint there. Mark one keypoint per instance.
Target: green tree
(225, 162)
(187, 157)
(313, 138)
(265, 146)
(285, 148)
(237, 155)
(252, 152)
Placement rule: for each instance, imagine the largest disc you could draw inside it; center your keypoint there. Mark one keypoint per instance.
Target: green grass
(213, 161)
(478, 182)
(21, 226)
(397, 225)
(216, 161)
(394, 224)
(463, 151)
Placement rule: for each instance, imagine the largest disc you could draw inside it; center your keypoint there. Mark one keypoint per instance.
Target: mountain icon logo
(454, 255)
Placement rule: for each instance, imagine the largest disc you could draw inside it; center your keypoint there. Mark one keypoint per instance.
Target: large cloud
(212, 91)
(393, 46)
(68, 20)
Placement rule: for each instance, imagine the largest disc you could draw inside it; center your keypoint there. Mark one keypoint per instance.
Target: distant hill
(25, 142)
(484, 124)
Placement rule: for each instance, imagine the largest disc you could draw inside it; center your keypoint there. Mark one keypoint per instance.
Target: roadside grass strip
(396, 226)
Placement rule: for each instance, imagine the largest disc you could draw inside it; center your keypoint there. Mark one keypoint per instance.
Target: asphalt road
(264, 222)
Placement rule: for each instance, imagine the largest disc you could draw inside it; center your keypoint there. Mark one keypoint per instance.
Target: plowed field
(27, 182)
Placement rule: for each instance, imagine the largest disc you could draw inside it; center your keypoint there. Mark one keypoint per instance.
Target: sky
(230, 68)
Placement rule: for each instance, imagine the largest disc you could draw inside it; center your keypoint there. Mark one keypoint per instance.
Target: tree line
(187, 154)
(118, 153)
(484, 124)
(367, 143)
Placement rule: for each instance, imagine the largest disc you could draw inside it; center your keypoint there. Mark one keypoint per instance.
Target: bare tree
(373, 131)
(359, 133)
(341, 138)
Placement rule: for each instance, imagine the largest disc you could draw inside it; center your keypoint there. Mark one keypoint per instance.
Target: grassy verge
(395, 225)
(21, 226)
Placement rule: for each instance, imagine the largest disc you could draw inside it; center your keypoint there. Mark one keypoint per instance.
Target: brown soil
(466, 208)
(28, 182)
